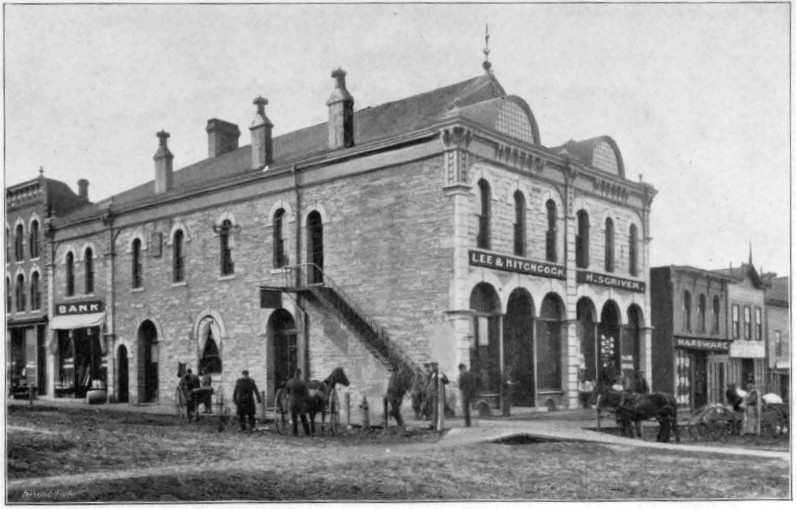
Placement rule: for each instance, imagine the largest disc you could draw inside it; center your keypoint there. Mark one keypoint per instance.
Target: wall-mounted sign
(716, 345)
(79, 308)
(270, 298)
(594, 278)
(515, 264)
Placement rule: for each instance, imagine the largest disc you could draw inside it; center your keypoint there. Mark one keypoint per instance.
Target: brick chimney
(163, 169)
(82, 189)
(222, 137)
(262, 145)
(341, 114)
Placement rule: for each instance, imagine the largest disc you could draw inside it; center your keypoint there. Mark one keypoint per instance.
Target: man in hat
(751, 415)
(244, 396)
(468, 384)
(297, 402)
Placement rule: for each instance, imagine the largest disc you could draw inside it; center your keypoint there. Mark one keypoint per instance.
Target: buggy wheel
(772, 423)
(281, 410)
(334, 413)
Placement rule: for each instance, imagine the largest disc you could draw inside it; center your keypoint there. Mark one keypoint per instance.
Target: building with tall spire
(436, 227)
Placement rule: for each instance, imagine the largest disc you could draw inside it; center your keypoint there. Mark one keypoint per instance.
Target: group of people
(426, 391)
(749, 403)
(196, 391)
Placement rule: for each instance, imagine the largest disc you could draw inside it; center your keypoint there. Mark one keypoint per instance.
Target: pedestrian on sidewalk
(468, 384)
(297, 402)
(243, 397)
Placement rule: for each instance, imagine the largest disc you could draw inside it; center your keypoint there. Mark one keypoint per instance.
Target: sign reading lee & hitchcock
(79, 308)
(514, 264)
(595, 278)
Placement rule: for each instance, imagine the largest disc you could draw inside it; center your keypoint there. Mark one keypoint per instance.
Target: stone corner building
(432, 228)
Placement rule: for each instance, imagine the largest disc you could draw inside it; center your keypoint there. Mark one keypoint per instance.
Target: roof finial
(487, 64)
(750, 252)
(41, 171)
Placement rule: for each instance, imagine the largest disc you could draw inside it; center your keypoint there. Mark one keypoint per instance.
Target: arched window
(20, 293)
(703, 304)
(178, 255)
(633, 250)
(227, 266)
(582, 241)
(519, 224)
(88, 262)
(552, 232)
(687, 310)
(70, 274)
(34, 239)
(716, 310)
(137, 265)
(609, 245)
(35, 292)
(9, 298)
(484, 237)
(280, 260)
(19, 243)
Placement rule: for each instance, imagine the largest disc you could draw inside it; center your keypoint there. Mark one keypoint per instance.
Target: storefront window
(747, 323)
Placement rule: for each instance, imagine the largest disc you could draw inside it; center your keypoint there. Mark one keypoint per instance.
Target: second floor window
(609, 245)
(89, 268)
(736, 322)
(19, 243)
(34, 239)
(519, 224)
(716, 310)
(9, 298)
(551, 239)
(483, 241)
(778, 346)
(20, 293)
(633, 251)
(747, 323)
(35, 292)
(280, 260)
(70, 274)
(582, 241)
(703, 304)
(137, 265)
(178, 254)
(227, 265)
(758, 324)
(687, 310)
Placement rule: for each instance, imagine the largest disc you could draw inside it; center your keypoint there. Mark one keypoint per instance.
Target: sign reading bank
(514, 264)
(79, 308)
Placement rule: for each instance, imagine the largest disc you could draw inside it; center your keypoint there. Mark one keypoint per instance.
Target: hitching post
(348, 409)
(386, 416)
(262, 405)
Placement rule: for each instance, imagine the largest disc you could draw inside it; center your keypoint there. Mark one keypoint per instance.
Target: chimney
(163, 168)
(222, 137)
(341, 114)
(262, 146)
(82, 189)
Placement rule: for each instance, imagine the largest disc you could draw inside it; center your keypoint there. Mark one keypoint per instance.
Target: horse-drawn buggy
(631, 408)
(294, 402)
(716, 421)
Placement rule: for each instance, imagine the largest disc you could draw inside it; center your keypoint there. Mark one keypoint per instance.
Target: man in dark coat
(297, 402)
(244, 396)
(188, 383)
(468, 384)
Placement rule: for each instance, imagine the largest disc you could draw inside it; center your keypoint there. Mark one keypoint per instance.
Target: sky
(695, 95)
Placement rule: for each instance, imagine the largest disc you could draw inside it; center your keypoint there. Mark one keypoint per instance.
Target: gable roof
(370, 124)
(746, 270)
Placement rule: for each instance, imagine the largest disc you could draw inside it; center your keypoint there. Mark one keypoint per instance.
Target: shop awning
(66, 322)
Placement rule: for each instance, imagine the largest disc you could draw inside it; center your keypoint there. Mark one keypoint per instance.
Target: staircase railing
(305, 276)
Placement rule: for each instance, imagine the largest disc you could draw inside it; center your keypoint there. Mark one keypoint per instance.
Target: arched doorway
(608, 344)
(632, 344)
(283, 348)
(587, 333)
(548, 343)
(485, 348)
(518, 348)
(315, 247)
(148, 362)
(123, 380)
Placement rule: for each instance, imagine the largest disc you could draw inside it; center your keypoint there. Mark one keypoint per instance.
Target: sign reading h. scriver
(595, 278)
(513, 264)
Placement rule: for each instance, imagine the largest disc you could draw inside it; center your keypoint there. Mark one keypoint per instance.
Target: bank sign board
(595, 278)
(514, 264)
(716, 345)
(79, 308)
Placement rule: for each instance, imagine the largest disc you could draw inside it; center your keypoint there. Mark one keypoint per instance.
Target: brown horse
(403, 380)
(319, 394)
(632, 408)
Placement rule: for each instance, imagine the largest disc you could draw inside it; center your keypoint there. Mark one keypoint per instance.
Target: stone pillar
(570, 384)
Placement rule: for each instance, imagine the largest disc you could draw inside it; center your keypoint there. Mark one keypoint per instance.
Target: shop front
(747, 361)
(81, 360)
(25, 358)
(701, 371)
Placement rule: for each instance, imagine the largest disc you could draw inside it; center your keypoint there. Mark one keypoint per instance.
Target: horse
(660, 406)
(606, 399)
(319, 393)
(402, 380)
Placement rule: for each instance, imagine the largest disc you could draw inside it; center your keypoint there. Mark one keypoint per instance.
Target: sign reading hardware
(79, 308)
(514, 264)
(702, 344)
(593, 278)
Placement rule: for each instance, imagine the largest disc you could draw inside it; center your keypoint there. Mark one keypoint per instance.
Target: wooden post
(386, 415)
(31, 394)
(348, 409)
(262, 406)
(440, 410)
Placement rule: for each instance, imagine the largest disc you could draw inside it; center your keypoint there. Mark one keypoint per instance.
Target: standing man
(244, 396)
(207, 391)
(468, 384)
(751, 417)
(297, 402)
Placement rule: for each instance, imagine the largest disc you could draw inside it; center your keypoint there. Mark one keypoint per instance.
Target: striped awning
(67, 322)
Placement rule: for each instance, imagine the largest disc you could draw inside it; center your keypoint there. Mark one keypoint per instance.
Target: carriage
(716, 422)
(282, 412)
(322, 398)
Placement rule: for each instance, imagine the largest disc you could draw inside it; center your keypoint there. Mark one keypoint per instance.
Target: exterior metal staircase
(309, 279)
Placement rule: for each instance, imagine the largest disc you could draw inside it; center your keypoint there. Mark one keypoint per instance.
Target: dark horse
(631, 408)
(403, 380)
(319, 393)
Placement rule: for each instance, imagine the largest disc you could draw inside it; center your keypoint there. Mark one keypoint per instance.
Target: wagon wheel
(772, 423)
(281, 411)
(334, 413)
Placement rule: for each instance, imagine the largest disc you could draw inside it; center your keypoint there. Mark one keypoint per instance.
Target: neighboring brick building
(29, 207)
(436, 227)
(690, 343)
(778, 333)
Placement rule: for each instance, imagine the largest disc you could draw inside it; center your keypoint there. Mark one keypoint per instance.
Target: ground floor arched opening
(518, 348)
(122, 375)
(283, 351)
(148, 362)
(608, 344)
(549, 338)
(485, 346)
